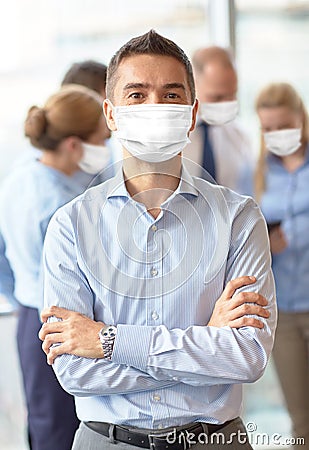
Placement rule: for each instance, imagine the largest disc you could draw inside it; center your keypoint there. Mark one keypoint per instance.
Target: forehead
(276, 114)
(155, 70)
(217, 76)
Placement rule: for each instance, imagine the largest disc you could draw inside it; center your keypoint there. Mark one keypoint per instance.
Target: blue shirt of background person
(286, 199)
(282, 186)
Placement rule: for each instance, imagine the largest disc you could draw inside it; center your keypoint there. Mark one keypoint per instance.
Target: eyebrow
(130, 86)
(174, 86)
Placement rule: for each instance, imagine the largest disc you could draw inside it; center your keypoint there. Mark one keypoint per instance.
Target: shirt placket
(154, 268)
(154, 275)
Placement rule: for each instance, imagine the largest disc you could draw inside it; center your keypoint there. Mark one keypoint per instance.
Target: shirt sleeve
(202, 355)
(6, 276)
(64, 281)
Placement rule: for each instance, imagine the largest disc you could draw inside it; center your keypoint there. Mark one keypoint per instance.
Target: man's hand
(76, 334)
(231, 311)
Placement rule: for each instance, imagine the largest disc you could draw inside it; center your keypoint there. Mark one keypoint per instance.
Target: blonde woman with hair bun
(70, 131)
(282, 185)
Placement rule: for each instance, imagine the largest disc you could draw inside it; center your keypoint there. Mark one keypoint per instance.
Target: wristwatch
(107, 337)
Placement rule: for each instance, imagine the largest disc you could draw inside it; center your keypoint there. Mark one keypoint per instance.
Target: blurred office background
(40, 40)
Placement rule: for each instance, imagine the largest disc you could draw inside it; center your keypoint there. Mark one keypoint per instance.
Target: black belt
(173, 440)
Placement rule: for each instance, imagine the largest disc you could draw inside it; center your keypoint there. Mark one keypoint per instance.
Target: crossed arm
(78, 334)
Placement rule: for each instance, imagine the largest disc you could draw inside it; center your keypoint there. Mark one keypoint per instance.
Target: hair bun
(36, 123)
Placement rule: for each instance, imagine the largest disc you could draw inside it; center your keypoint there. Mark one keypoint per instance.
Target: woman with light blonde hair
(282, 187)
(70, 131)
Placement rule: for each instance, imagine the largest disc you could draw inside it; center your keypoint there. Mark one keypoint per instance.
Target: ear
(73, 146)
(108, 112)
(194, 114)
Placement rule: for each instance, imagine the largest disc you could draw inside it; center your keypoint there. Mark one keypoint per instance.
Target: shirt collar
(117, 187)
(186, 185)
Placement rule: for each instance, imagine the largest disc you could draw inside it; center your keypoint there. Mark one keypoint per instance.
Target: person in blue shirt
(70, 132)
(160, 348)
(282, 183)
(91, 74)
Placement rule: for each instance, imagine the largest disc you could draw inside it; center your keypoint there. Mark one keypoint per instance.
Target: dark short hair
(150, 43)
(91, 74)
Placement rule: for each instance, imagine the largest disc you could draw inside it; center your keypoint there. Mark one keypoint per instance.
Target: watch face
(108, 332)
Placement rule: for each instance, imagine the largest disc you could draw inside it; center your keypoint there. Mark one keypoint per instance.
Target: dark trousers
(52, 420)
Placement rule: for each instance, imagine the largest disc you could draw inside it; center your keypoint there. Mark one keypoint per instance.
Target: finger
(50, 359)
(249, 309)
(44, 314)
(235, 284)
(48, 328)
(54, 352)
(249, 297)
(60, 313)
(246, 322)
(52, 339)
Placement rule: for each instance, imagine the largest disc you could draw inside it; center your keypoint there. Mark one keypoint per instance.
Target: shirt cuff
(132, 345)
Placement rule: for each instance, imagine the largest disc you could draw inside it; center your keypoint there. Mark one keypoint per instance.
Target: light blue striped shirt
(158, 280)
(29, 196)
(286, 198)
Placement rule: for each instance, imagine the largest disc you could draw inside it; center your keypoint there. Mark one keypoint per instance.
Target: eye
(136, 95)
(285, 126)
(172, 95)
(265, 129)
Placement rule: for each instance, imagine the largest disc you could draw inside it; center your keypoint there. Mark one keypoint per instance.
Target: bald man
(219, 143)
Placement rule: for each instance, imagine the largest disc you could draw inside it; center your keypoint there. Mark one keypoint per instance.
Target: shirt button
(154, 272)
(155, 315)
(156, 398)
(154, 227)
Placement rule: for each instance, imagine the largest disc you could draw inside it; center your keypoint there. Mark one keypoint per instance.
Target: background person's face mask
(95, 158)
(283, 142)
(218, 113)
(153, 133)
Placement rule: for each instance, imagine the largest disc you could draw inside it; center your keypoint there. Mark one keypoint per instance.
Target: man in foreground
(143, 259)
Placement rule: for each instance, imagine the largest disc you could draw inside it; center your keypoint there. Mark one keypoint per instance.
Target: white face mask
(95, 158)
(283, 142)
(218, 113)
(153, 133)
